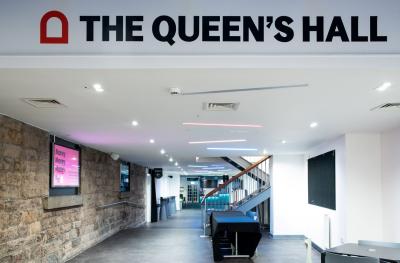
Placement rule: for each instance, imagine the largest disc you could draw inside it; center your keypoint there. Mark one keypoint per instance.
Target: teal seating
(218, 202)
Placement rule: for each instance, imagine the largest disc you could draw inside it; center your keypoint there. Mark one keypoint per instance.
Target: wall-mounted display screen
(65, 167)
(322, 181)
(209, 183)
(124, 177)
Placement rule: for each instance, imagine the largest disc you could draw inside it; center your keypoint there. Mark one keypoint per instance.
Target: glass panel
(124, 179)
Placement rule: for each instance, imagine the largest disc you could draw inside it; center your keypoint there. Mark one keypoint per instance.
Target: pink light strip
(219, 141)
(222, 125)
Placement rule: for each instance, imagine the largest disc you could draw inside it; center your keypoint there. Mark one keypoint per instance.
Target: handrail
(120, 203)
(233, 178)
(241, 157)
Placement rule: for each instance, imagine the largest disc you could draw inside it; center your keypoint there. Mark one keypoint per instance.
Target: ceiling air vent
(220, 106)
(387, 106)
(44, 103)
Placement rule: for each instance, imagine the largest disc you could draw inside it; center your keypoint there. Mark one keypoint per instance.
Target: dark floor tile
(178, 240)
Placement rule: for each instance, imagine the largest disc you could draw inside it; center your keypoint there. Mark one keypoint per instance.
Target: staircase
(242, 192)
(241, 164)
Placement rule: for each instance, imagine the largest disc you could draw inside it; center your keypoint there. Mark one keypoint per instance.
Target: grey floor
(178, 240)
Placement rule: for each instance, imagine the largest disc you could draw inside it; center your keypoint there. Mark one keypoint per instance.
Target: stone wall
(28, 233)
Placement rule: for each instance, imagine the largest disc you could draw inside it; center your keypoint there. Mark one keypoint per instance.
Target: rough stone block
(75, 242)
(28, 232)
(12, 150)
(29, 217)
(54, 202)
(7, 163)
(35, 228)
(10, 123)
(76, 224)
(52, 258)
(13, 178)
(10, 192)
(30, 155)
(12, 136)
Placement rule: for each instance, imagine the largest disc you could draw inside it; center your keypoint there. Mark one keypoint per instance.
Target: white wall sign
(199, 27)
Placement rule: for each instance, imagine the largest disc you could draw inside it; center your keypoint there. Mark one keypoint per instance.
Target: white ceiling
(338, 99)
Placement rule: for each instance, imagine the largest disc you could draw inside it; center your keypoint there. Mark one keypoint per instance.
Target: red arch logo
(63, 39)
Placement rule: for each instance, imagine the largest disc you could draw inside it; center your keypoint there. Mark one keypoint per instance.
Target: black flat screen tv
(322, 180)
(124, 182)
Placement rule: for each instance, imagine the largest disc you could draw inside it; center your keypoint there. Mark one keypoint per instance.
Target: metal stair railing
(241, 163)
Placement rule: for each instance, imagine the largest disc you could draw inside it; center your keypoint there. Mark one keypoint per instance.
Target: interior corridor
(178, 240)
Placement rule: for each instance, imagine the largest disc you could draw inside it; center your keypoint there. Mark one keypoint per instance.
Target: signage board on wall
(126, 27)
(65, 167)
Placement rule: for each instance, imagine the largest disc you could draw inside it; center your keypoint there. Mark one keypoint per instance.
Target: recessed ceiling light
(197, 158)
(222, 124)
(231, 149)
(162, 151)
(152, 141)
(98, 88)
(218, 141)
(135, 123)
(170, 159)
(176, 163)
(284, 141)
(314, 124)
(384, 86)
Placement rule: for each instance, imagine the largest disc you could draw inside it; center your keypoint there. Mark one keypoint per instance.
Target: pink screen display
(65, 167)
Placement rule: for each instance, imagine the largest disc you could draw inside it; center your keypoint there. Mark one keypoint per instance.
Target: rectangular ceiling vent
(44, 103)
(384, 106)
(220, 106)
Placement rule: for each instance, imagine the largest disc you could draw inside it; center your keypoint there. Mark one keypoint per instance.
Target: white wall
(148, 199)
(391, 185)
(358, 213)
(166, 186)
(364, 188)
(367, 191)
(288, 195)
(315, 215)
